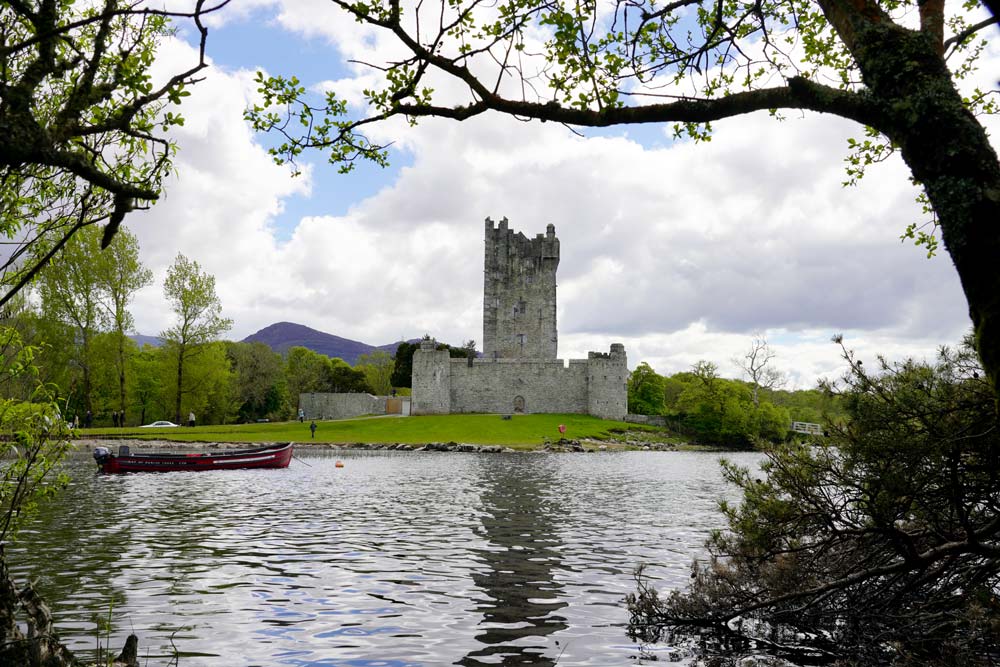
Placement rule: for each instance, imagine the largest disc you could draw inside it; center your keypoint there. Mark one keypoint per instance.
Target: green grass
(524, 431)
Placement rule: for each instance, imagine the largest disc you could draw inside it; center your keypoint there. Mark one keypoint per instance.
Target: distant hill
(141, 340)
(283, 335)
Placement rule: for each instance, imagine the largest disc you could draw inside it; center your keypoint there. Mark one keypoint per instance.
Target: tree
(718, 411)
(260, 389)
(69, 292)
(596, 65)
(402, 372)
(191, 294)
(877, 545)
(645, 391)
(120, 275)
(37, 441)
(378, 368)
(146, 383)
(82, 126)
(341, 378)
(756, 365)
(305, 371)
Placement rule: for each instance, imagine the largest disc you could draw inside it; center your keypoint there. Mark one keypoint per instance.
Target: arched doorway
(519, 404)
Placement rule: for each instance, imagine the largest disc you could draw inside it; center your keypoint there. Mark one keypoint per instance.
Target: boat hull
(276, 456)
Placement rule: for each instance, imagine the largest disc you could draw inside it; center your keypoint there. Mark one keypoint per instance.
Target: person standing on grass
(191, 418)
(312, 428)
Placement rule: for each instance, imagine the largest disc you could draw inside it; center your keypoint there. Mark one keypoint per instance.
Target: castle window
(520, 339)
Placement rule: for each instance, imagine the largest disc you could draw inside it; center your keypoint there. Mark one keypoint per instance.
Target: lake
(394, 560)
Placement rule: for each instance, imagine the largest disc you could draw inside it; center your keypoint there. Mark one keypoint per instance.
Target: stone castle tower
(519, 371)
(519, 294)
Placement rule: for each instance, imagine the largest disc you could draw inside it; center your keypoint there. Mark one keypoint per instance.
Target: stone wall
(518, 385)
(340, 406)
(595, 386)
(651, 420)
(519, 294)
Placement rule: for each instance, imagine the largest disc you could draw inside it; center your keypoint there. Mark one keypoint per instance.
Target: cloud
(681, 251)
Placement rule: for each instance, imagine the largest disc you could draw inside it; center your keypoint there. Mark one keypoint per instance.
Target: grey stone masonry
(519, 294)
(431, 380)
(595, 386)
(321, 405)
(519, 371)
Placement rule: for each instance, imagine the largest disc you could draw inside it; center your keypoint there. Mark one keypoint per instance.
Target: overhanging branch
(800, 93)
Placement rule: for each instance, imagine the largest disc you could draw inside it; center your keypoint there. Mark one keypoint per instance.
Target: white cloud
(679, 251)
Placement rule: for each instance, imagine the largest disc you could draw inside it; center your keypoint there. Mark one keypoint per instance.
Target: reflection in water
(518, 521)
(414, 560)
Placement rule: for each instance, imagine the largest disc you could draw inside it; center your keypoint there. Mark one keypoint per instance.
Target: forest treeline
(710, 409)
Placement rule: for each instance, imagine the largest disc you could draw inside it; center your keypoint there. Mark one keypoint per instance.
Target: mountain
(141, 340)
(283, 335)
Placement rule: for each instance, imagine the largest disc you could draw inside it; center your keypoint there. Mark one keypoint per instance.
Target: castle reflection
(522, 596)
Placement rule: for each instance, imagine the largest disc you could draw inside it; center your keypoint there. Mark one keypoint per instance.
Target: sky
(681, 251)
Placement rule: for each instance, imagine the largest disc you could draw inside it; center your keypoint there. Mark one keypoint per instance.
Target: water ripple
(398, 560)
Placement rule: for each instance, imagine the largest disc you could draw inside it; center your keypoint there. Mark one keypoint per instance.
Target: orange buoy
(338, 464)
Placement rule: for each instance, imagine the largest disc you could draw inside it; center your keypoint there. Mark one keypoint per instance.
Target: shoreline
(562, 445)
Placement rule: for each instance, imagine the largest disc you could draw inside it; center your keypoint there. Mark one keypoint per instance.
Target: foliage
(146, 385)
(402, 371)
(378, 368)
(82, 124)
(341, 378)
(68, 290)
(893, 67)
(36, 440)
(810, 405)
(305, 371)
(875, 546)
(209, 389)
(88, 290)
(261, 391)
(191, 293)
(120, 274)
(723, 412)
(645, 391)
(704, 406)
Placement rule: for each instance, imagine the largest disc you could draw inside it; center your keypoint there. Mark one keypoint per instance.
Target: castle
(519, 370)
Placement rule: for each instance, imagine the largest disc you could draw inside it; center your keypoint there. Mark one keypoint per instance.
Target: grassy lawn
(526, 431)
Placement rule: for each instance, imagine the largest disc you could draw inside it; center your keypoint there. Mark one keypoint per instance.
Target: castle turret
(607, 383)
(431, 380)
(519, 293)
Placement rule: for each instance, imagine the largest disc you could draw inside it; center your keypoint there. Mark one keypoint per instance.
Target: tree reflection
(519, 521)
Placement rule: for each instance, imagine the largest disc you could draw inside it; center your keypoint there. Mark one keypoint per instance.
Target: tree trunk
(949, 153)
(121, 374)
(180, 380)
(88, 404)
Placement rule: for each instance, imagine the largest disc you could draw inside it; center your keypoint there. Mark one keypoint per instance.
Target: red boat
(277, 455)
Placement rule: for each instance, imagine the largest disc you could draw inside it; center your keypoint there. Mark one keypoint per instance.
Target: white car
(158, 425)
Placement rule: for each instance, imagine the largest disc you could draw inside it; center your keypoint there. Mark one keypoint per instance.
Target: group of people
(88, 419)
(117, 419)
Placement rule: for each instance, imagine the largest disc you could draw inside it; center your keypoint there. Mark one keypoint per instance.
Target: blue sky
(682, 252)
